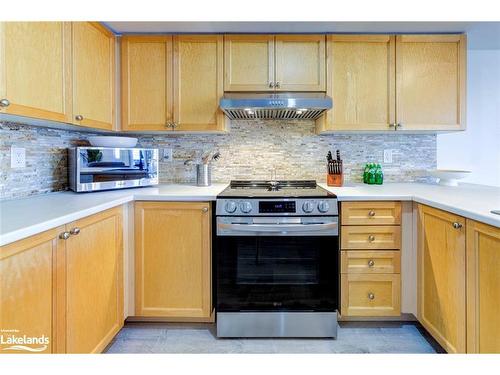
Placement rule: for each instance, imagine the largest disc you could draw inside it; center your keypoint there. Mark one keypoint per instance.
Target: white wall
(478, 148)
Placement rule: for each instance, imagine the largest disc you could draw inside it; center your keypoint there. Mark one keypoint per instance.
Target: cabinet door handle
(457, 225)
(78, 117)
(371, 296)
(392, 125)
(371, 263)
(64, 235)
(4, 103)
(271, 85)
(168, 125)
(278, 85)
(74, 231)
(205, 209)
(398, 125)
(371, 238)
(174, 125)
(371, 213)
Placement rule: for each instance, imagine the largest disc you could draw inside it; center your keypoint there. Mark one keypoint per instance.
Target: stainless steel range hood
(282, 106)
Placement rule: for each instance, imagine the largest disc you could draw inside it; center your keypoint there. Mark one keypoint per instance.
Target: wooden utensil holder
(334, 179)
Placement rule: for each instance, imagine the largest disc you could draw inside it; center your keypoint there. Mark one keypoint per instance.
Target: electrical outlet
(167, 154)
(388, 156)
(17, 157)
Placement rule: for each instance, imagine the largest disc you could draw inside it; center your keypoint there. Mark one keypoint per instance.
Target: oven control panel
(277, 207)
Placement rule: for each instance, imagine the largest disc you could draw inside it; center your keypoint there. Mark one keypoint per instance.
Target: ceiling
(481, 35)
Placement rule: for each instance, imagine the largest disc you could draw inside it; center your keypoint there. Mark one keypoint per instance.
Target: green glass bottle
(371, 174)
(379, 175)
(365, 173)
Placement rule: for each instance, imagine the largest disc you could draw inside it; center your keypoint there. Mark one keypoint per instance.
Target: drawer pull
(371, 263)
(457, 225)
(371, 238)
(371, 213)
(371, 296)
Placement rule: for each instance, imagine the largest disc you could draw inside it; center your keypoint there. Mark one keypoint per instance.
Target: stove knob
(308, 207)
(245, 207)
(323, 206)
(230, 207)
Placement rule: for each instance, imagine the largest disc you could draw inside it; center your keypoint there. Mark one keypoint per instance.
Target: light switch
(17, 157)
(388, 156)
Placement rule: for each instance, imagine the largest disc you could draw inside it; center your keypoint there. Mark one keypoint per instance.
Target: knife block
(334, 179)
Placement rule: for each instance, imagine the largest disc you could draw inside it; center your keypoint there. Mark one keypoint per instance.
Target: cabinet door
(441, 277)
(27, 291)
(483, 288)
(430, 82)
(93, 75)
(94, 282)
(361, 76)
(198, 85)
(35, 65)
(248, 63)
(173, 261)
(300, 63)
(146, 68)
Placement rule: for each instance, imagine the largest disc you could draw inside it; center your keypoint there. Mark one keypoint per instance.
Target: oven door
(277, 267)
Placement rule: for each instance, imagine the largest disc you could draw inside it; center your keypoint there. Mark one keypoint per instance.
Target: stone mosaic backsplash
(249, 151)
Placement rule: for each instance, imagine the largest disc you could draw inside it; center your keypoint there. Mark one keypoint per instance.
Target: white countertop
(468, 200)
(22, 218)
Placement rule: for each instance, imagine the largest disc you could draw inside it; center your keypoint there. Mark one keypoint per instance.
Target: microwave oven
(108, 168)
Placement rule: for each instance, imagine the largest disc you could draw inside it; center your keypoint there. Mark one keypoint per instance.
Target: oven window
(276, 273)
(263, 261)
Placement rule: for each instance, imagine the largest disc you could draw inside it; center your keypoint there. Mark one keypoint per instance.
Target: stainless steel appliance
(276, 260)
(104, 168)
(297, 105)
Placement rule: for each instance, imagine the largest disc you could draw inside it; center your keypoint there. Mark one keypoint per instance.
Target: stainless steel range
(276, 260)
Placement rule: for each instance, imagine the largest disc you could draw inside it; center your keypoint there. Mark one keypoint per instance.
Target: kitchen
(225, 187)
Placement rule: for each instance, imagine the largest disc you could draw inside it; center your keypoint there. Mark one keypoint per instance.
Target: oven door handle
(278, 228)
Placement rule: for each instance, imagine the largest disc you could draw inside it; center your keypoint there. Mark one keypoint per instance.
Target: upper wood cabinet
(35, 70)
(173, 260)
(430, 82)
(172, 83)
(404, 82)
(28, 289)
(361, 82)
(274, 63)
(198, 82)
(58, 71)
(441, 277)
(146, 82)
(93, 52)
(248, 62)
(483, 288)
(300, 63)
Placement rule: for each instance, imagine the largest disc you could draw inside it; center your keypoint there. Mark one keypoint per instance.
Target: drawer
(370, 237)
(370, 295)
(371, 213)
(376, 261)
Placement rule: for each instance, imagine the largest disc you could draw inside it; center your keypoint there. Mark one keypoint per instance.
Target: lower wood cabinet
(94, 282)
(370, 239)
(65, 284)
(28, 290)
(483, 288)
(173, 260)
(441, 277)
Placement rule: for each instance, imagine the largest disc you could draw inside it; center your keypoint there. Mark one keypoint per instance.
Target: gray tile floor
(352, 338)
